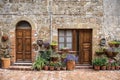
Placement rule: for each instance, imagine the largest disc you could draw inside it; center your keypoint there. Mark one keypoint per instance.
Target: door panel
(85, 49)
(23, 45)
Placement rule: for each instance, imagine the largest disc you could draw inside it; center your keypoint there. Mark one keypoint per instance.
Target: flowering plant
(71, 57)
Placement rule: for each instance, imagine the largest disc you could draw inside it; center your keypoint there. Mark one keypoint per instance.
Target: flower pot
(96, 67)
(54, 47)
(114, 53)
(4, 38)
(99, 53)
(58, 68)
(63, 68)
(116, 45)
(51, 68)
(103, 67)
(70, 65)
(5, 62)
(117, 67)
(46, 67)
(108, 67)
(112, 67)
(109, 54)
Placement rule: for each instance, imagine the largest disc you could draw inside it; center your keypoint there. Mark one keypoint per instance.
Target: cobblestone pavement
(81, 74)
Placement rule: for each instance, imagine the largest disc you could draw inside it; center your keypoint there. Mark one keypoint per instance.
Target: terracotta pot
(51, 68)
(112, 67)
(103, 67)
(114, 53)
(116, 45)
(109, 54)
(111, 45)
(46, 67)
(63, 68)
(58, 68)
(117, 67)
(99, 53)
(54, 47)
(96, 67)
(5, 62)
(70, 65)
(4, 38)
(108, 67)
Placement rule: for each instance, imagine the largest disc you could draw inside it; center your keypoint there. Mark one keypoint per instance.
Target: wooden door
(85, 46)
(23, 45)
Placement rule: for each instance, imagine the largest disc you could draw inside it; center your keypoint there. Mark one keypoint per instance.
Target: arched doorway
(23, 42)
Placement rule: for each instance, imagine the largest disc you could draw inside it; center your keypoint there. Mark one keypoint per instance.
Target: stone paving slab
(80, 74)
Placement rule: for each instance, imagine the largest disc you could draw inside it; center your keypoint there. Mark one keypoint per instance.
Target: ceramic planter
(51, 68)
(103, 67)
(112, 67)
(70, 65)
(96, 67)
(5, 62)
(117, 67)
(46, 67)
(108, 67)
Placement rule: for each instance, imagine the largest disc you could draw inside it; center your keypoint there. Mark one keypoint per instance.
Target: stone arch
(31, 22)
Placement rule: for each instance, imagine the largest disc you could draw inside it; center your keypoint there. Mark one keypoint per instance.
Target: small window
(65, 38)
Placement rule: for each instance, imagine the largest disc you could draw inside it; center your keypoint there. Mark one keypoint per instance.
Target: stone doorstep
(26, 68)
(83, 67)
(22, 64)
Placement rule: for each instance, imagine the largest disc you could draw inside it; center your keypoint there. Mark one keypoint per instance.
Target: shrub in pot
(100, 51)
(39, 63)
(63, 66)
(103, 63)
(97, 63)
(52, 66)
(58, 66)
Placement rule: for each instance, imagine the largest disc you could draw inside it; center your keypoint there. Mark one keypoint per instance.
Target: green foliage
(97, 61)
(52, 64)
(63, 64)
(39, 63)
(114, 42)
(45, 55)
(114, 64)
(63, 55)
(104, 61)
(53, 43)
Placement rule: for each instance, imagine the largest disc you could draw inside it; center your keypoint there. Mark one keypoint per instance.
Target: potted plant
(4, 38)
(46, 45)
(54, 45)
(70, 61)
(103, 63)
(39, 63)
(63, 66)
(113, 65)
(52, 66)
(5, 58)
(97, 63)
(55, 57)
(40, 42)
(58, 66)
(100, 51)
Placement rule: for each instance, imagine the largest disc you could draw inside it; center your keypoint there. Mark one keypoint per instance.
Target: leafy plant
(52, 64)
(53, 43)
(39, 63)
(97, 61)
(104, 61)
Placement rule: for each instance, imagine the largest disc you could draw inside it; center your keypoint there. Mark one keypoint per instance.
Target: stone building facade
(46, 17)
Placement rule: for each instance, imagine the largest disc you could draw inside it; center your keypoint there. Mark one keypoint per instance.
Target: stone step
(22, 64)
(85, 66)
(26, 68)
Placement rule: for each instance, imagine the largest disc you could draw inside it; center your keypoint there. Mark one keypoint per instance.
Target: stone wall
(47, 16)
(111, 22)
